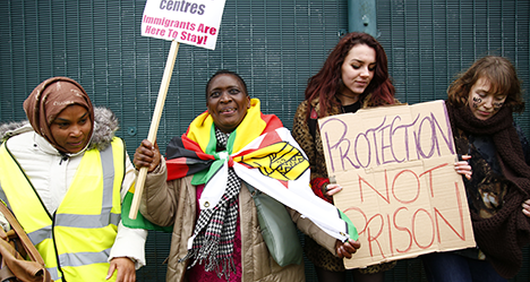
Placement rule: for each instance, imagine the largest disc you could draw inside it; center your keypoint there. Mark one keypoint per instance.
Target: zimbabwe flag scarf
(207, 153)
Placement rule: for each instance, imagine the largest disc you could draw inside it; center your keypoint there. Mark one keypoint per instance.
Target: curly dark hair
(327, 82)
(499, 71)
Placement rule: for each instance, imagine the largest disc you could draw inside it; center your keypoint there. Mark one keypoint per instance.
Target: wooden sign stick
(166, 78)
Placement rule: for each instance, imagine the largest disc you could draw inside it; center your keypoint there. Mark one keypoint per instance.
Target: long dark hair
(327, 82)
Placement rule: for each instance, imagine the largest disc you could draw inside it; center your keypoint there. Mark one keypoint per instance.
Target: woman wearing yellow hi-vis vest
(63, 174)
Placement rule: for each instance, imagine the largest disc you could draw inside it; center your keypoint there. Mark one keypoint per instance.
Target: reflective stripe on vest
(84, 227)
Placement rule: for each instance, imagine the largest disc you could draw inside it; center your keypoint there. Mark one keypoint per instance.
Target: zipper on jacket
(64, 158)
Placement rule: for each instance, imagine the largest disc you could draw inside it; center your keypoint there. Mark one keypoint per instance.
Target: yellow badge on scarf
(280, 161)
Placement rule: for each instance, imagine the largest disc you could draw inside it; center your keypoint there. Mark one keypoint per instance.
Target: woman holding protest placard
(355, 75)
(208, 192)
(480, 105)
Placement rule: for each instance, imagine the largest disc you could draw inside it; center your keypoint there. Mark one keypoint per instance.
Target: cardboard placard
(194, 22)
(400, 188)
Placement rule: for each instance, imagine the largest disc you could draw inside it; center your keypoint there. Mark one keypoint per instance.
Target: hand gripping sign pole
(194, 23)
(166, 78)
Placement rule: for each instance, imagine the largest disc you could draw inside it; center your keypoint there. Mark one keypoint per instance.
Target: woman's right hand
(147, 155)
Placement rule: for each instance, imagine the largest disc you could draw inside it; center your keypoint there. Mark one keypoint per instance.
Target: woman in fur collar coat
(72, 172)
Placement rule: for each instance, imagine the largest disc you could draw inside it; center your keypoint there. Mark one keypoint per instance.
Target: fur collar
(105, 126)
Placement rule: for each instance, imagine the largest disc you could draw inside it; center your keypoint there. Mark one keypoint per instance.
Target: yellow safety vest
(75, 241)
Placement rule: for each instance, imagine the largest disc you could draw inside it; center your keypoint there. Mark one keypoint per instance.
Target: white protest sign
(401, 191)
(194, 22)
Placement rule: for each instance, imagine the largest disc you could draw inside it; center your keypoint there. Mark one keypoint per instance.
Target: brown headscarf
(47, 101)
